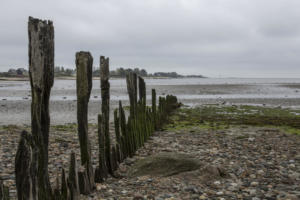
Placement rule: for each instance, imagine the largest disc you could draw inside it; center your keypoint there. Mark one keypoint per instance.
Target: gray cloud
(249, 38)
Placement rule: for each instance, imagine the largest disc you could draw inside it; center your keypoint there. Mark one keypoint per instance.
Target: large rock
(165, 164)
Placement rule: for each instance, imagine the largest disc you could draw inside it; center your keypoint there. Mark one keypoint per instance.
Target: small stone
(292, 166)
(253, 176)
(260, 172)
(254, 184)
(217, 182)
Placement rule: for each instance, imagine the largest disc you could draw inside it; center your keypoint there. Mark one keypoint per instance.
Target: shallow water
(15, 95)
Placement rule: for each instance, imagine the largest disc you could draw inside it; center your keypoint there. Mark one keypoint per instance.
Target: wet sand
(15, 97)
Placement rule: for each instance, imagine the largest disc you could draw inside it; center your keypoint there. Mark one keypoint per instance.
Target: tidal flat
(15, 96)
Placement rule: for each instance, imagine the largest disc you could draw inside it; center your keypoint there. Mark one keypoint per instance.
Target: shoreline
(94, 78)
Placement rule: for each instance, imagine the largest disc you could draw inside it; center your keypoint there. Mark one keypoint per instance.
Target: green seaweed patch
(65, 127)
(126, 108)
(222, 117)
(291, 130)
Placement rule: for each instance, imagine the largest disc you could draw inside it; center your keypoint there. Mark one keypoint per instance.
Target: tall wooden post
(142, 90)
(84, 66)
(105, 86)
(131, 80)
(101, 171)
(41, 73)
(84, 82)
(154, 115)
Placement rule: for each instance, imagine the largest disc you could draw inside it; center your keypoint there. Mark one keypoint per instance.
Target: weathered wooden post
(84, 67)
(124, 141)
(142, 90)
(154, 109)
(101, 170)
(131, 80)
(105, 95)
(118, 136)
(64, 191)
(41, 73)
(4, 192)
(23, 166)
(73, 184)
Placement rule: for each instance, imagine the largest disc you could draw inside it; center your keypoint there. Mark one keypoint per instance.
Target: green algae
(216, 117)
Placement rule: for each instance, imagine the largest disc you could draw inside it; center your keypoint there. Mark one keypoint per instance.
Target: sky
(214, 38)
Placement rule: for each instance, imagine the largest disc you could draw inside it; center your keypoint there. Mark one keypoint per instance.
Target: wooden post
(101, 170)
(73, 179)
(4, 192)
(142, 90)
(131, 80)
(41, 73)
(56, 191)
(124, 141)
(154, 109)
(84, 66)
(105, 86)
(118, 136)
(64, 186)
(23, 167)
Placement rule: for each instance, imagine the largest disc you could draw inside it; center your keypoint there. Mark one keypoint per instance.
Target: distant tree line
(120, 72)
(19, 72)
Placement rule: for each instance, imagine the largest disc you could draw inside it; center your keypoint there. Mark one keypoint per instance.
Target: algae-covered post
(84, 67)
(41, 73)
(124, 138)
(105, 86)
(117, 132)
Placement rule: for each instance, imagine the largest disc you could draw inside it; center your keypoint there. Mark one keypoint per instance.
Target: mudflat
(15, 96)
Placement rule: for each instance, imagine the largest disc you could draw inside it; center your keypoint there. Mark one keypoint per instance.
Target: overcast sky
(216, 38)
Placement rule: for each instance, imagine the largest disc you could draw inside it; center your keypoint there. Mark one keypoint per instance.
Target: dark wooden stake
(35, 147)
(154, 108)
(105, 95)
(84, 67)
(101, 170)
(131, 80)
(4, 192)
(73, 179)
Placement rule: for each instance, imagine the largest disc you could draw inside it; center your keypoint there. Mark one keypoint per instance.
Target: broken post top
(37, 21)
(104, 68)
(41, 53)
(84, 67)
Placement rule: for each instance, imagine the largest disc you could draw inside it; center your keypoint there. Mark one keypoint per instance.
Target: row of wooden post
(31, 162)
